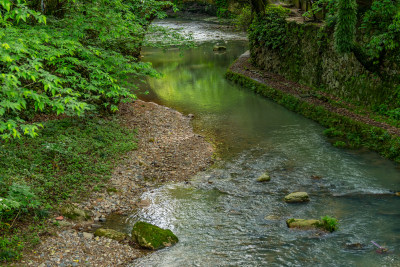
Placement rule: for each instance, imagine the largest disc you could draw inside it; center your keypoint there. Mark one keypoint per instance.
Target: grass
(70, 158)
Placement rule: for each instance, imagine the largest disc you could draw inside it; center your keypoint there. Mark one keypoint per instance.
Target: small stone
(59, 218)
(64, 223)
(110, 233)
(87, 235)
(264, 177)
(297, 197)
(102, 219)
(143, 203)
(191, 116)
(74, 213)
(96, 219)
(272, 217)
(303, 224)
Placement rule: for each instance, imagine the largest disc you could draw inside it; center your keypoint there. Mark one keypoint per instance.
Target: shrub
(269, 30)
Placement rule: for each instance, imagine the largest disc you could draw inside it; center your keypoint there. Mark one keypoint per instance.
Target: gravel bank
(168, 150)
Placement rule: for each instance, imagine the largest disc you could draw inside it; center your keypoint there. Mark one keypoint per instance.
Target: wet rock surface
(264, 177)
(303, 224)
(110, 233)
(152, 237)
(297, 197)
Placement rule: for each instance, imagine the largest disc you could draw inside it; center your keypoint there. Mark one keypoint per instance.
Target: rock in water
(219, 48)
(297, 197)
(397, 194)
(74, 213)
(152, 237)
(110, 233)
(264, 177)
(303, 224)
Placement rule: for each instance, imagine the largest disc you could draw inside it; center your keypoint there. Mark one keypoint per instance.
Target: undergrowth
(68, 158)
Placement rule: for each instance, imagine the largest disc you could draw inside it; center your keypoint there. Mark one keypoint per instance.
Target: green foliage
(65, 161)
(14, 12)
(330, 224)
(269, 30)
(68, 157)
(345, 25)
(72, 65)
(329, 6)
(381, 25)
(222, 8)
(243, 20)
(332, 132)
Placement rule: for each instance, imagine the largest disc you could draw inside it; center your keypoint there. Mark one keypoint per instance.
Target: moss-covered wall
(308, 57)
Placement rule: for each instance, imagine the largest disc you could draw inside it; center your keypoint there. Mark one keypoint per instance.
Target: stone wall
(308, 57)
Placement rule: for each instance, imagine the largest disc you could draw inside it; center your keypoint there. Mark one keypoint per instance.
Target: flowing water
(224, 217)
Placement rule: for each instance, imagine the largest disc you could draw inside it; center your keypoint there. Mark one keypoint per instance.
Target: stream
(224, 217)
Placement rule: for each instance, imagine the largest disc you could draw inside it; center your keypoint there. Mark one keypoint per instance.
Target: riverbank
(349, 126)
(167, 150)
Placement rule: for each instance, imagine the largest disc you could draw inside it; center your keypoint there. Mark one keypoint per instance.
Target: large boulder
(110, 233)
(74, 213)
(297, 197)
(264, 177)
(153, 237)
(303, 224)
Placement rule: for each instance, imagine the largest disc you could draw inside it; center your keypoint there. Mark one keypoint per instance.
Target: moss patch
(152, 237)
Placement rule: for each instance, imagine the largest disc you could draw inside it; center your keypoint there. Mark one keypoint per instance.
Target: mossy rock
(297, 197)
(153, 237)
(304, 224)
(312, 224)
(74, 213)
(264, 177)
(110, 233)
(219, 48)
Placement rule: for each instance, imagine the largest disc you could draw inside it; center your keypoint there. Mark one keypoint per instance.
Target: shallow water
(224, 217)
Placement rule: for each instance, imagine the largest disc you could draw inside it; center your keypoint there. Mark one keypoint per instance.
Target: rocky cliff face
(308, 57)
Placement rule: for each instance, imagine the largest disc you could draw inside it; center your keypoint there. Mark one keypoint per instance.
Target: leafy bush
(243, 20)
(72, 65)
(269, 30)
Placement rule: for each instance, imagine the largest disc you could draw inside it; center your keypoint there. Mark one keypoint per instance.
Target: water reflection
(226, 218)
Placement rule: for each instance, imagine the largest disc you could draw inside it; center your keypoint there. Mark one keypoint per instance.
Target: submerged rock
(219, 48)
(152, 237)
(264, 177)
(74, 213)
(397, 194)
(110, 233)
(297, 197)
(327, 224)
(303, 224)
(355, 246)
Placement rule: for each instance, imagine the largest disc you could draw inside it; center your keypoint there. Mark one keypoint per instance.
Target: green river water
(224, 217)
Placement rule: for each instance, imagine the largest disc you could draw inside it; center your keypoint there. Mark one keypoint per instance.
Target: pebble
(88, 235)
